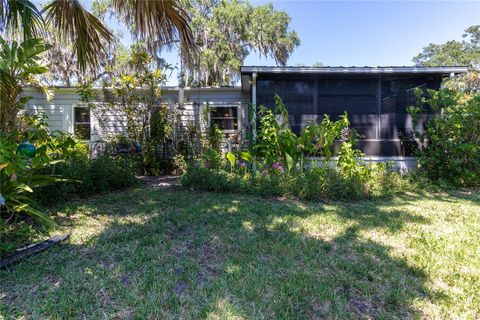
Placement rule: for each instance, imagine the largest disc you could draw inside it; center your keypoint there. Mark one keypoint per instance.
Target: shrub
(179, 164)
(450, 146)
(22, 174)
(89, 177)
(318, 183)
(276, 143)
(279, 154)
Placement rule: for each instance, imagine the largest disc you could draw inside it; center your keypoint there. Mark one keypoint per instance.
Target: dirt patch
(361, 308)
(180, 288)
(160, 181)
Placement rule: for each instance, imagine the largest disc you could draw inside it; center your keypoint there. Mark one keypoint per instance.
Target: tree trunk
(9, 108)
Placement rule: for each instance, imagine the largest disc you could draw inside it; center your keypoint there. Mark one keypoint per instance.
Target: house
(68, 113)
(375, 99)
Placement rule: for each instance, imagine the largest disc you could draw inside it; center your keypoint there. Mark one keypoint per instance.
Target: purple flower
(243, 165)
(277, 166)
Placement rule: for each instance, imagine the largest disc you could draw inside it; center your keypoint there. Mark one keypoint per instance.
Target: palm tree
(157, 23)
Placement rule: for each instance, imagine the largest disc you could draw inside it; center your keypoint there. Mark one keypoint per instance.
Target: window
(296, 94)
(355, 96)
(225, 117)
(398, 93)
(81, 124)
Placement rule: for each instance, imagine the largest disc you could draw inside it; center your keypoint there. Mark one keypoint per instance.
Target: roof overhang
(444, 71)
(447, 70)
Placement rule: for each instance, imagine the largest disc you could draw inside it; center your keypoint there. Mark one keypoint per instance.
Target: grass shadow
(180, 254)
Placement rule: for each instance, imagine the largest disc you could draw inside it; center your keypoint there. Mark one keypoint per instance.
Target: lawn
(173, 253)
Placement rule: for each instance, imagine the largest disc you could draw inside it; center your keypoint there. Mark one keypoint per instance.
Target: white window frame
(238, 117)
(90, 122)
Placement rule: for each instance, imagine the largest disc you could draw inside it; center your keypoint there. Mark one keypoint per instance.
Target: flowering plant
(277, 166)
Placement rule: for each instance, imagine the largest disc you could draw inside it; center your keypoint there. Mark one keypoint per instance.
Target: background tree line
(224, 32)
(456, 53)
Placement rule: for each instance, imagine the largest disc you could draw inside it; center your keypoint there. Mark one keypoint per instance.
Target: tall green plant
(19, 64)
(318, 140)
(277, 143)
(20, 175)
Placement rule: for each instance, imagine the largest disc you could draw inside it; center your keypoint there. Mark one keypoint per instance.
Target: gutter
(355, 70)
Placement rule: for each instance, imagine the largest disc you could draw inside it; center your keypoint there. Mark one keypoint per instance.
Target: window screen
(82, 123)
(356, 97)
(398, 93)
(297, 95)
(226, 118)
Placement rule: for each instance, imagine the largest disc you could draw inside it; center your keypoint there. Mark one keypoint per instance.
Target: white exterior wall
(401, 164)
(114, 123)
(60, 110)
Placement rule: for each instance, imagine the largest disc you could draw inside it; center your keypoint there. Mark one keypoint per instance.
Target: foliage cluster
(227, 31)
(89, 177)
(456, 53)
(81, 39)
(278, 163)
(449, 150)
(155, 136)
(134, 97)
(21, 175)
(59, 170)
(318, 183)
(19, 64)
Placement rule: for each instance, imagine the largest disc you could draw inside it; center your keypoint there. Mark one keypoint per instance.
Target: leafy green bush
(89, 177)
(278, 164)
(20, 174)
(450, 145)
(58, 170)
(23, 174)
(276, 143)
(319, 183)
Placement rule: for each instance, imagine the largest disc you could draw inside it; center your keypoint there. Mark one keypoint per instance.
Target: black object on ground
(30, 250)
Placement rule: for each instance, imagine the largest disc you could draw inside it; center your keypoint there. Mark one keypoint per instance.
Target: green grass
(161, 254)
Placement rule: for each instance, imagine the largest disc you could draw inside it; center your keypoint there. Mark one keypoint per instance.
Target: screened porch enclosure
(376, 105)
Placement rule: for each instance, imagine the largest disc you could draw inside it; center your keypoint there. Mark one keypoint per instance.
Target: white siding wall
(55, 114)
(114, 123)
(60, 110)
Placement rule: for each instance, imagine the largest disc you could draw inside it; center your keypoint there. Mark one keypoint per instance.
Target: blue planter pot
(138, 148)
(27, 149)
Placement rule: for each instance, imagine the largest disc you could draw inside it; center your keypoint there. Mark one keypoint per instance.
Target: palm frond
(89, 36)
(21, 15)
(158, 23)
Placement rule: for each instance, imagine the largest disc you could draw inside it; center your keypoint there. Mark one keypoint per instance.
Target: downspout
(181, 86)
(254, 115)
(181, 95)
(254, 107)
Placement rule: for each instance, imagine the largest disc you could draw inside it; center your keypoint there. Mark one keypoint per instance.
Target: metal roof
(354, 70)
